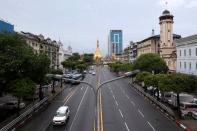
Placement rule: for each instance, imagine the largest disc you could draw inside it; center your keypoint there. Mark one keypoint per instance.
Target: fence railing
(155, 101)
(13, 124)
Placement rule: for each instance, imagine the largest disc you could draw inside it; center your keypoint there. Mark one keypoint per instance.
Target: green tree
(22, 88)
(88, 58)
(56, 71)
(150, 62)
(140, 77)
(175, 82)
(14, 53)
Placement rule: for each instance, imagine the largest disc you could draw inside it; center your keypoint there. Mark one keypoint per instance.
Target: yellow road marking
(70, 95)
(101, 113)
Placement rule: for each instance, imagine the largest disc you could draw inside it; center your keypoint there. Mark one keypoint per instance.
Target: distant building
(115, 46)
(133, 51)
(42, 45)
(6, 27)
(148, 45)
(63, 54)
(167, 43)
(187, 55)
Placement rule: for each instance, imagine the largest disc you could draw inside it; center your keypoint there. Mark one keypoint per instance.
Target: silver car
(61, 116)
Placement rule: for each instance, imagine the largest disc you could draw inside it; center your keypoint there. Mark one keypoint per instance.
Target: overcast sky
(80, 23)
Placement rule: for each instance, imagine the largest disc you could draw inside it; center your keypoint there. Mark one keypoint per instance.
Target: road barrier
(163, 108)
(21, 119)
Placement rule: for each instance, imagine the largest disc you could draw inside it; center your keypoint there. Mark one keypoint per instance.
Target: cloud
(191, 4)
(178, 3)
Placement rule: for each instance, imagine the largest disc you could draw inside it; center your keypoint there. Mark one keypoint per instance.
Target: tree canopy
(19, 64)
(150, 62)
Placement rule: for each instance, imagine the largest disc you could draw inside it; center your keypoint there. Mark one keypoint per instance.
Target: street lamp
(127, 74)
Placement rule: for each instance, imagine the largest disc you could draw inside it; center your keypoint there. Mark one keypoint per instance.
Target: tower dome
(166, 12)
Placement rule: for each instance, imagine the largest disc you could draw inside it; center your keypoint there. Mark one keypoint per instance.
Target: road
(120, 108)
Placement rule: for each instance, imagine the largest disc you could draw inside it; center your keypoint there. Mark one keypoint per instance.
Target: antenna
(166, 4)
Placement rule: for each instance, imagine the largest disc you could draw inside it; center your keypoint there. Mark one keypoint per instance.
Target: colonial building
(42, 45)
(167, 43)
(187, 55)
(148, 45)
(63, 54)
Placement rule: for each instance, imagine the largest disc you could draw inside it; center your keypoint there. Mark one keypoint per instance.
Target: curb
(182, 126)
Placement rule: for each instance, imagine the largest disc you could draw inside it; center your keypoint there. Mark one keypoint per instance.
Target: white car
(61, 116)
(93, 73)
(13, 105)
(194, 115)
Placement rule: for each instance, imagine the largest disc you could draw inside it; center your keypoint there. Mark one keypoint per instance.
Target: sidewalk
(188, 125)
(51, 96)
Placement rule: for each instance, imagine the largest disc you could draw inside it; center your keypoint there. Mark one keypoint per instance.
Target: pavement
(120, 108)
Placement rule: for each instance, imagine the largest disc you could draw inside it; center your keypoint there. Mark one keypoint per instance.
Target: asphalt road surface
(120, 108)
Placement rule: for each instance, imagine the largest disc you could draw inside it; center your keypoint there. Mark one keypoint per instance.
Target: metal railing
(159, 104)
(24, 115)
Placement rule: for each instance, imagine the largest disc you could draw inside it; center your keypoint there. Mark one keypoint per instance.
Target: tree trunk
(157, 93)
(18, 107)
(178, 105)
(40, 92)
(53, 88)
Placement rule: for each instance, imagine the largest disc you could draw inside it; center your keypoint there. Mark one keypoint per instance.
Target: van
(61, 116)
(188, 108)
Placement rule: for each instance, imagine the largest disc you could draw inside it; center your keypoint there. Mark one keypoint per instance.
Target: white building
(187, 55)
(64, 54)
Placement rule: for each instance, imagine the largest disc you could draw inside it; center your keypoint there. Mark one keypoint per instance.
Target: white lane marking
(151, 126)
(82, 88)
(78, 110)
(126, 126)
(127, 96)
(132, 103)
(121, 113)
(141, 113)
(114, 97)
(116, 102)
(111, 91)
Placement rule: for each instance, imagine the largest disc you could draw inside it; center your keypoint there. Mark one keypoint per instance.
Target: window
(185, 65)
(185, 52)
(180, 65)
(189, 52)
(196, 51)
(196, 65)
(180, 53)
(190, 65)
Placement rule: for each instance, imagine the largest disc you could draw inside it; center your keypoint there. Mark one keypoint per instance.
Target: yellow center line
(101, 113)
(70, 95)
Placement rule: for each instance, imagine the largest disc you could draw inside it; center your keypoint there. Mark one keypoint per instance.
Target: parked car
(61, 116)
(76, 77)
(93, 73)
(188, 108)
(194, 115)
(13, 105)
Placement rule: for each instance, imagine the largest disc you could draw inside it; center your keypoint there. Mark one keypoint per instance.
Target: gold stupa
(97, 54)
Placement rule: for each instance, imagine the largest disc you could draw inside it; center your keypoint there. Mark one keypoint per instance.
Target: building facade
(167, 43)
(148, 45)
(63, 54)
(6, 27)
(42, 45)
(115, 41)
(187, 55)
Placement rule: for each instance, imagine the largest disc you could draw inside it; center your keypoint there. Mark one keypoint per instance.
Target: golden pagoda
(97, 54)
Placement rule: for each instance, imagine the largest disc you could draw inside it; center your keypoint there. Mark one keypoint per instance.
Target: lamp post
(96, 90)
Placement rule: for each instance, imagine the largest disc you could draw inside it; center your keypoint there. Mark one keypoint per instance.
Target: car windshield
(59, 114)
